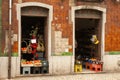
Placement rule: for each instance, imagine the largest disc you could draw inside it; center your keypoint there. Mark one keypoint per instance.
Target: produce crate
(37, 64)
(26, 65)
(88, 65)
(26, 70)
(96, 67)
(36, 70)
(78, 68)
(44, 69)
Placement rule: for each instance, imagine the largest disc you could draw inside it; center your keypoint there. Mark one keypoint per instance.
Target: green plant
(66, 54)
(114, 52)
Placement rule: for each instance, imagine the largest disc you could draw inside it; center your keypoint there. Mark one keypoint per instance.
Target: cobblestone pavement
(100, 76)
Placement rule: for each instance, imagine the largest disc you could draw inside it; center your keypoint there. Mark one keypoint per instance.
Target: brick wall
(61, 17)
(5, 21)
(112, 34)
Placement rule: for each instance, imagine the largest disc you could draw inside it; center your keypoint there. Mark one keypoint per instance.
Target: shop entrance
(84, 32)
(88, 42)
(34, 41)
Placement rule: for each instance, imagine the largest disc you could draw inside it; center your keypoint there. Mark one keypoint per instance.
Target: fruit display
(26, 63)
(94, 61)
(30, 46)
(24, 49)
(31, 63)
(37, 63)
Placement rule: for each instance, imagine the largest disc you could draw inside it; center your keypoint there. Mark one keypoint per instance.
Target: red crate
(88, 65)
(97, 67)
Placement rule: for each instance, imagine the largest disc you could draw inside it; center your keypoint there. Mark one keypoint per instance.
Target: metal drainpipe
(10, 49)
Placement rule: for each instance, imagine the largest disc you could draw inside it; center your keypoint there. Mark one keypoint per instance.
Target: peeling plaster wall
(111, 63)
(61, 65)
(4, 67)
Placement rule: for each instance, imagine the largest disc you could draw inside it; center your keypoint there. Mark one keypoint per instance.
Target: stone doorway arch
(41, 6)
(103, 21)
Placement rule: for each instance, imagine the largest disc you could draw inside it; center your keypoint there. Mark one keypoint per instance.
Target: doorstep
(85, 71)
(32, 75)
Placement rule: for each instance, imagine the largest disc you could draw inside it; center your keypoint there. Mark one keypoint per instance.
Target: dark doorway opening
(34, 45)
(85, 48)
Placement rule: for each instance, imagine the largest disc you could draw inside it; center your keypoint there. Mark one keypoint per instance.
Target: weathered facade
(61, 19)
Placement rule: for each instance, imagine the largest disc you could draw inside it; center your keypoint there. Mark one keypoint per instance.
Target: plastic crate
(26, 70)
(36, 70)
(78, 68)
(88, 65)
(44, 69)
(97, 67)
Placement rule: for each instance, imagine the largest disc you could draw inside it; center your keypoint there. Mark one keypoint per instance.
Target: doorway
(84, 30)
(88, 34)
(34, 41)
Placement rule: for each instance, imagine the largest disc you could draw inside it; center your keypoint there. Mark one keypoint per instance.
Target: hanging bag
(29, 49)
(40, 47)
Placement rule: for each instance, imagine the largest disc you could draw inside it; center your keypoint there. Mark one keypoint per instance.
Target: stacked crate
(26, 70)
(94, 65)
(78, 66)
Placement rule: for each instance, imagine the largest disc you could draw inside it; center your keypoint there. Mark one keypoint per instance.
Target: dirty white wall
(61, 65)
(111, 63)
(58, 65)
(4, 67)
